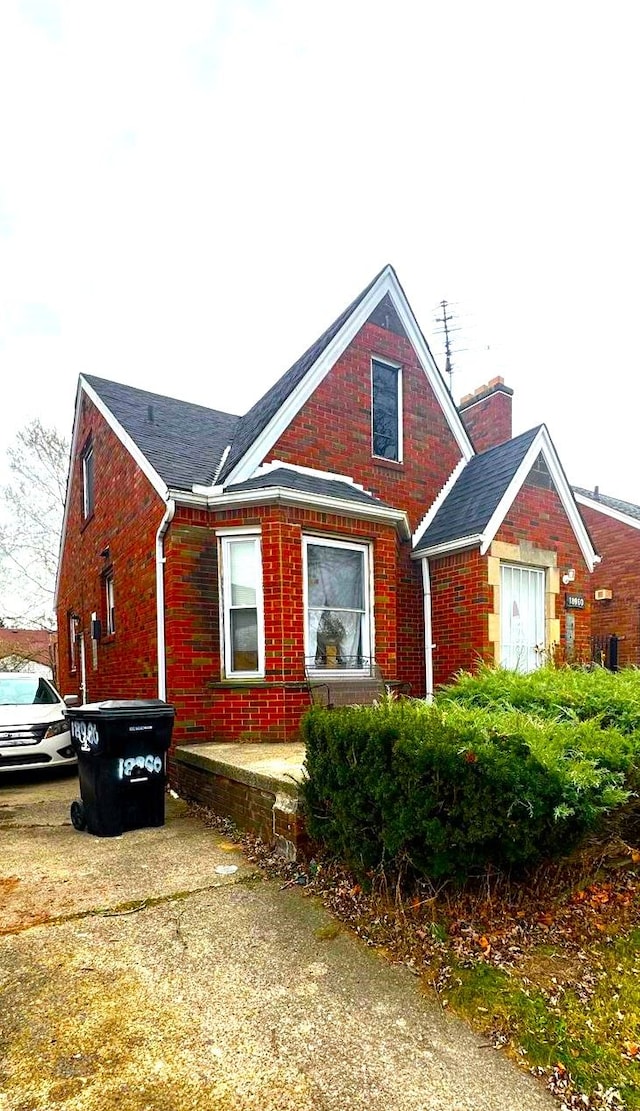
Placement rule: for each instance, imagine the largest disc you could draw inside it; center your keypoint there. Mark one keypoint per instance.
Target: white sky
(190, 192)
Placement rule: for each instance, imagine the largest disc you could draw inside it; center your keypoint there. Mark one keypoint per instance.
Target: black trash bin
(121, 748)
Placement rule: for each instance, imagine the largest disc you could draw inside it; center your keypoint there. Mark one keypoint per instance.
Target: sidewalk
(137, 976)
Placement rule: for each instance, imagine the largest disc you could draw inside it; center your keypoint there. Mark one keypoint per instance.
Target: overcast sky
(190, 192)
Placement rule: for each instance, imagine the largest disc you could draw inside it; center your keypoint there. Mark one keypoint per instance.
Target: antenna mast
(446, 331)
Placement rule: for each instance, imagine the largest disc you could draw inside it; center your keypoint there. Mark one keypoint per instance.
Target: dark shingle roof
(183, 442)
(620, 506)
(308, 484)
(256, 420)
(471, 503)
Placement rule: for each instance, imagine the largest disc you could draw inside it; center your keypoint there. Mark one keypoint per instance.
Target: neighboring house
(208, 558)
(27, 650)
(615, 527)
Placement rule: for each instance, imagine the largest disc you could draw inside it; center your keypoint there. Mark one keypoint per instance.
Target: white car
(34, 732)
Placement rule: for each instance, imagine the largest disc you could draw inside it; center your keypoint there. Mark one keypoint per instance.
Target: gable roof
(258, 417)
(625, 511)
(471, 508)
(184, 443)
(475, 496)
(261, 427)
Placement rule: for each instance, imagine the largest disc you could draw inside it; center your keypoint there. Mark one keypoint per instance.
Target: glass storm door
(522, 621)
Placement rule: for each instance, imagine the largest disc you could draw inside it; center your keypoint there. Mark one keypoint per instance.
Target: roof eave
(608, 511)
(460, 544)
(269, 494)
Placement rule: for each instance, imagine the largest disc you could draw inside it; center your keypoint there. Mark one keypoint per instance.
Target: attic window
(386, 410)
(87, 482)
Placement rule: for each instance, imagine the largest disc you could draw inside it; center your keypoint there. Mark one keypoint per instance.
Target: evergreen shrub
(446, 790)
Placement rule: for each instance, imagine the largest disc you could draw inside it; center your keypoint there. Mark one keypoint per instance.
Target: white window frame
(539, 576)
(73, 634)
(226, 543)
(398, 368)
(110, 624)
(367, 623)
(88, 482)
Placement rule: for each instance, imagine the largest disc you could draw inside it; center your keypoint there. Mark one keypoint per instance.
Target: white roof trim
(269, 494)
(444, 493)
(607, 510)
(387, 283)
(457, 545)
(542, 444)
(127, 442)
(279, 464)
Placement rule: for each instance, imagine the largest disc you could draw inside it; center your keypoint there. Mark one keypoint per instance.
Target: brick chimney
(486, 414)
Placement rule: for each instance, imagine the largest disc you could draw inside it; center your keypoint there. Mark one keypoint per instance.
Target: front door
(522, 617)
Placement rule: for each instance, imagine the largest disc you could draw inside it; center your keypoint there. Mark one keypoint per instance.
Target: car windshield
(26, 690)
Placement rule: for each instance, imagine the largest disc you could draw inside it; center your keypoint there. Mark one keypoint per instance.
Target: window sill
(87, 520)
(387, 464)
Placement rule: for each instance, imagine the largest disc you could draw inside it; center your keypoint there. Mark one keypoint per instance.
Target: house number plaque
(574, 601)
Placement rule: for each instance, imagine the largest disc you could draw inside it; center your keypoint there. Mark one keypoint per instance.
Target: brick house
(615, 528)
(208, 558)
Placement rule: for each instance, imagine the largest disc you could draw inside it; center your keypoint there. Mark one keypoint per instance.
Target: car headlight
(56, 728)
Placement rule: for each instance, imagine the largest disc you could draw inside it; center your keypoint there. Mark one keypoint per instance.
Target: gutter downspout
(428, 630)
(160, 560)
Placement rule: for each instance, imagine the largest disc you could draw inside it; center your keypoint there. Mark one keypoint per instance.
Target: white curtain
(335, 604)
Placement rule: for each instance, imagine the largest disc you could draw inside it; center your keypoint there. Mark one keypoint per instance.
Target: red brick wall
(619, 546)
(460, 597)
(210, 708)
(333, 432)
(333, 429)
(488, 421)
(537, 515)
(126, 517)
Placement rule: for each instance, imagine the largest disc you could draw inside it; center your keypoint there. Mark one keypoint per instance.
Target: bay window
(243, 625)
(337, 606)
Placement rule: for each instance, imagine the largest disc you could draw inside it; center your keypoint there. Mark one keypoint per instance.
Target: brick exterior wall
(126, 516)
(210, 708)
(619, 546)
(463, 599)
(537, 515)
(459, 608)
(486, 415)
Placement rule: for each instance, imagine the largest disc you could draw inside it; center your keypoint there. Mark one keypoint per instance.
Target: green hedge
(612, 698)
(445, 790)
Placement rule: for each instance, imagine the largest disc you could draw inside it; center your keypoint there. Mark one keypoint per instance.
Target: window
(243, 608)
(110, 624)
(73, 637)
(386, 408)
(87, 482)
(522, 620)
(337, 633)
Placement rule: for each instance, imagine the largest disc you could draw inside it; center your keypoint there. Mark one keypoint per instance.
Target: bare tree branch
(31, 508)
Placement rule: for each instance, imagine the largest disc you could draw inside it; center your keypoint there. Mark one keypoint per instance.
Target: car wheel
(78, 816)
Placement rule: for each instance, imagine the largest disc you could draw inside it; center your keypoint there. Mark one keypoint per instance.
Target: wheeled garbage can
(122, 754)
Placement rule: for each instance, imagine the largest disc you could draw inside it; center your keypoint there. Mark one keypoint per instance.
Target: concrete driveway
(136, 976)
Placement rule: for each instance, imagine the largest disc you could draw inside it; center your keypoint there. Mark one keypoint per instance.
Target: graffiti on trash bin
(86, 732)
(127, 767)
